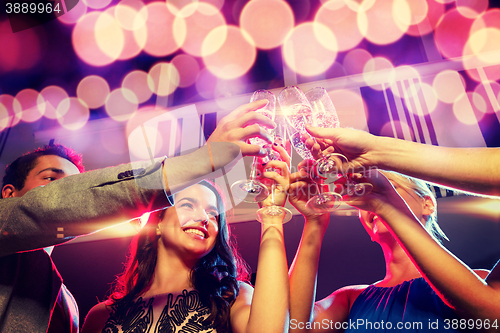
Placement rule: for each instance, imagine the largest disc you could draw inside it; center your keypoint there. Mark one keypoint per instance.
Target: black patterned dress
(167, 313)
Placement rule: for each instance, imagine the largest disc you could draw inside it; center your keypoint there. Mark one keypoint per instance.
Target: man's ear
(8, 191)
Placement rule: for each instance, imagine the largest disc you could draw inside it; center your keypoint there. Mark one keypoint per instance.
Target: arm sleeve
(80, 204)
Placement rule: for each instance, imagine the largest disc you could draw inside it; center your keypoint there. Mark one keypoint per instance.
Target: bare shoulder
(245, 294)
(96, 318)
(338, 304)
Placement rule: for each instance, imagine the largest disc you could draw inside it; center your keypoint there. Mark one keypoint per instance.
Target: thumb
(317, 132)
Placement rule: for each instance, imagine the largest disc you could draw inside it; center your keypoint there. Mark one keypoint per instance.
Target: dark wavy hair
(17, 171)
(215, 276)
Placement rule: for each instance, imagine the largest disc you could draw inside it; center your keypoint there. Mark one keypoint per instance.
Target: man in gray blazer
(37, 212)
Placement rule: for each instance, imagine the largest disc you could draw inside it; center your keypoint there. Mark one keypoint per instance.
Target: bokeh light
(137, 82)
(4, 117)
(91, 36)
(430, 97)
(482, 51)
(26, 104)
(452, 33)
(419, 10)
(360, 5)
(206, 83)
(97, 4)
(72, 16)
(121, 104)
(350, 108)
(129, 14)
(163, 79)
(355, 61)
(342, 21)
(193, 24)
(72, 113)
(137, 143)
(427, 24)
(393, 128)
(188, 69)
(463, 110)
(112, 143)
(235, 55)
(93, 90)
(109, 35)
(305, 54)
(420, 98)
(160, 31)
(377, 70)
(385, 22)
(7, 102)
(404, 74)
(134, 32)
(471, 8)
(267, 22)
(485, 97)
(49, 99)
(449, 85)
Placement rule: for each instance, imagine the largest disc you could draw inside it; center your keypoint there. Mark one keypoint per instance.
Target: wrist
(317, 223)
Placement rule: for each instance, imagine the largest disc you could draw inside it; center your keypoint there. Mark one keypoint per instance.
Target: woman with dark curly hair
(185, 275)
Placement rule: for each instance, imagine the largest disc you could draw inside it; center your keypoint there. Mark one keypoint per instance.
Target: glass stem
(253, 172)
(273, 187)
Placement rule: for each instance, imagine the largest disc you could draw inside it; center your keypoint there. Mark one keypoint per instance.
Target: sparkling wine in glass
(299, 112)
(252, 190)
(330, 168)
(280, 138)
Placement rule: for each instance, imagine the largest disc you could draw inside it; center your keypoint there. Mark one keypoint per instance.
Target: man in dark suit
(37, 212)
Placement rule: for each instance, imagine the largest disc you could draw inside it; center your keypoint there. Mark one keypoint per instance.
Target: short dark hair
(17, 171)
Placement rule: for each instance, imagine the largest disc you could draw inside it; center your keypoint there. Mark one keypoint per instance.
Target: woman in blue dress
(425, 288)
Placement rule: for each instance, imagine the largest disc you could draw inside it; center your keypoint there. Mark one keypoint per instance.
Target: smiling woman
(184, 273)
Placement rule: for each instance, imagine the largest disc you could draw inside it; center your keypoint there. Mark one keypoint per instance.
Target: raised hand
(302, 188)
(272, 210)
(242, 124)
(358, 146)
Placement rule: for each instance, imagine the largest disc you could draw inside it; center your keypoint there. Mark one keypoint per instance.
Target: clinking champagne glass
(252, 190)
(280, 138)
(298, 112)
(329, 168)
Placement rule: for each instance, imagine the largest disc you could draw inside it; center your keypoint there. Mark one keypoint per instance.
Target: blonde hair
(420, 188)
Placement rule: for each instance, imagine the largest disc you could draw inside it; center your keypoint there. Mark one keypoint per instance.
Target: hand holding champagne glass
(279, 155)
(252, 190)
(331, 168)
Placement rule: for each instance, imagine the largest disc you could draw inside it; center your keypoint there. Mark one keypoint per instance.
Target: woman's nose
(202, 216)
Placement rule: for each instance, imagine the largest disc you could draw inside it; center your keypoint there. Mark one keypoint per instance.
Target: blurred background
(421, 70)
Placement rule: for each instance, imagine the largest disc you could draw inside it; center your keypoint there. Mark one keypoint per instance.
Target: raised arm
(266, 308)
(224, 148)
(304, 268)
(84, 203)
(456, 284)
(475, 170)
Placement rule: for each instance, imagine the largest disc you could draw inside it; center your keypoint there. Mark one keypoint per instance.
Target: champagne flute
(252, 190)
(280, 138)
(298, 112)
(329, 168)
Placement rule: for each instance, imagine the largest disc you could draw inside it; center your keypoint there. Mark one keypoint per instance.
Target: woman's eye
(50, 178)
